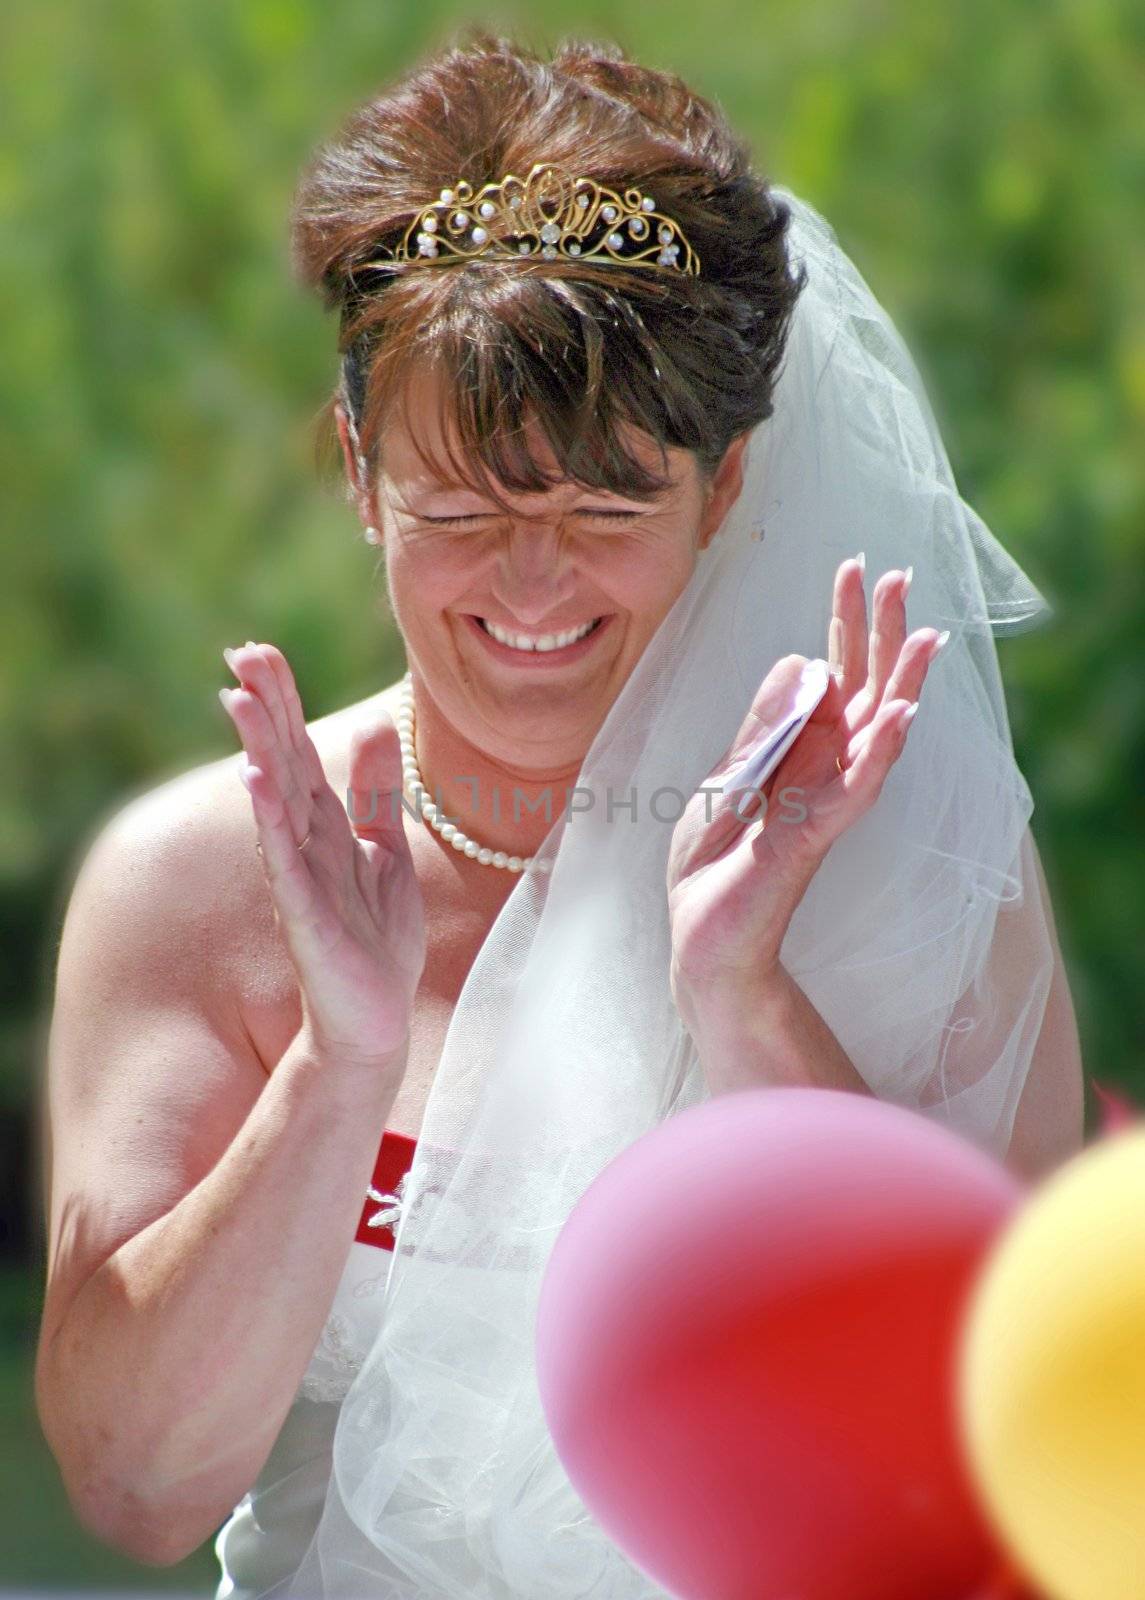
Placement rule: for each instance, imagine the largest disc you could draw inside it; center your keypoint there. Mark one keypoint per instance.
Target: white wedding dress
(265, 1537)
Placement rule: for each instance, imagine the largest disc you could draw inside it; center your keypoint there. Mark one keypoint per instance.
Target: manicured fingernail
(939, 642)
(908, 715)
(906, 581)
(250, 644)
(229, 658)
(861, 558)
(225, 697)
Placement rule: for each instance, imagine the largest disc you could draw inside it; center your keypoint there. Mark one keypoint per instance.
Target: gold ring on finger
(302, 846)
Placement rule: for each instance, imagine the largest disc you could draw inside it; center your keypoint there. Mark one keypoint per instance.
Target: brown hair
(584, 348)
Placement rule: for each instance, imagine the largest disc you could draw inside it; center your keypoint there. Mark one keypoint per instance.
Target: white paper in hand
(762, 761)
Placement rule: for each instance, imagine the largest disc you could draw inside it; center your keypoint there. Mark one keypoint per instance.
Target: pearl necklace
(412, 784)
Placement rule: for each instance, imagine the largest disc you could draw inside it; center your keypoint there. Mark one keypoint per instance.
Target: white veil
(922, 941)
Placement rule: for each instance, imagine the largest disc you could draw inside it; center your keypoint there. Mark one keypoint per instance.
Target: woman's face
(561, 559)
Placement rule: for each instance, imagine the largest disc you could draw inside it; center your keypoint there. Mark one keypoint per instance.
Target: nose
(533, 577)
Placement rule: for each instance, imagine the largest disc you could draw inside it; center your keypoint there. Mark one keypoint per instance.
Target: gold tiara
(548, 214)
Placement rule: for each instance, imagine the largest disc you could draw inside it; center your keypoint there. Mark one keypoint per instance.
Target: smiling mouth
(543, 644)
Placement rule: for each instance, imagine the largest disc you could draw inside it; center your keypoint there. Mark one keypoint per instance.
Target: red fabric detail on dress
(395, 1157)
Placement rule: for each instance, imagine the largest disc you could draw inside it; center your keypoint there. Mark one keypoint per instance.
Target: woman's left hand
(734, 881)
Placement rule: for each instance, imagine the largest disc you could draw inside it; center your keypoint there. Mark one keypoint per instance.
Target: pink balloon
(746, 1341)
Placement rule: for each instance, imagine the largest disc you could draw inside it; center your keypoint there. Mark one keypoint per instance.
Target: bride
(623, 422)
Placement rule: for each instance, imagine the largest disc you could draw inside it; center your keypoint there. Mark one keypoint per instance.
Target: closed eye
(479, 516)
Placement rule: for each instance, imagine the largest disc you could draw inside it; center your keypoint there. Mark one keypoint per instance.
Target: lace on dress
(351, 1326)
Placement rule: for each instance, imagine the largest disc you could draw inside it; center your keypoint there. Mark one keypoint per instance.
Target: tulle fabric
(922, 941)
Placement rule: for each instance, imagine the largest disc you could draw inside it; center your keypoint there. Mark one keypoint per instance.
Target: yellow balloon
(1052, 1376)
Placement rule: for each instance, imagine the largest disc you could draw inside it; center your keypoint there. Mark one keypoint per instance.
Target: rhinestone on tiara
(547, 215)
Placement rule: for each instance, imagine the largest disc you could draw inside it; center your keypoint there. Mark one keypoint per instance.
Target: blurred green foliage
(984, 165)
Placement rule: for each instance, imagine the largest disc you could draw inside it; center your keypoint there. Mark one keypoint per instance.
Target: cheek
(648, 580)
(427, 580)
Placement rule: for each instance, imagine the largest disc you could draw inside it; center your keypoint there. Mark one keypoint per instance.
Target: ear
(723, 490)
(355, 467)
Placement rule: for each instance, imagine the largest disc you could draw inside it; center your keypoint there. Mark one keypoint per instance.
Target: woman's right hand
(349, 905)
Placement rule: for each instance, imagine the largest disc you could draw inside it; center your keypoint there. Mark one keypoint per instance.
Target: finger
(914, 662)
(257, 731)
(835, 626)
(849, 625)
(287, 692)
(263, 749)
(249, 665)
(295, 717)
(264, 671)
(375, 780)
(875, 749)
(283, 863)
(888, 631)
(835, 636)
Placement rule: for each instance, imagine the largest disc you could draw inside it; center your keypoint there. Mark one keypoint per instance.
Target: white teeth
(547, 641)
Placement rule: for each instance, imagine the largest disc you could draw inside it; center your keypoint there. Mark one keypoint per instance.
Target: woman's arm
(765, 1033)
(199, 1211)
(769, 1033)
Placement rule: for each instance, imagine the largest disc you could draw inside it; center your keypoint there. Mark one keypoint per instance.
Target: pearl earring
(372, 535)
